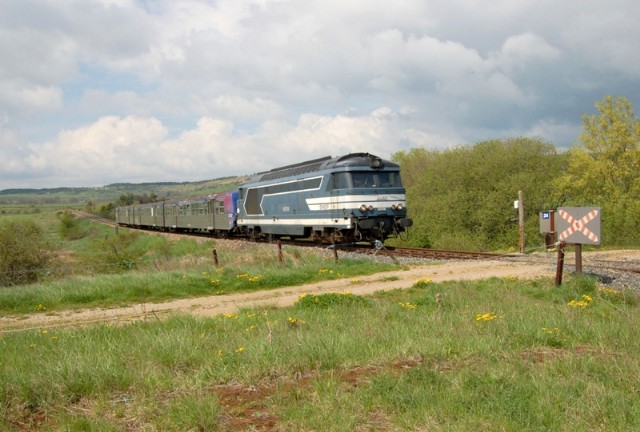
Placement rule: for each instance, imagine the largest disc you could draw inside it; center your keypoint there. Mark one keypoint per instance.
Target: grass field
(493, 355)
(499, 354)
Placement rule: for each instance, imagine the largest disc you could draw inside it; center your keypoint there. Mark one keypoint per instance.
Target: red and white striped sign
(578, 225)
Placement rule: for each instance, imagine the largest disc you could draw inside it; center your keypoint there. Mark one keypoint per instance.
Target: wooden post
(215, 257)
(521, 222)
(552, 226)
(578, 258)
(560, 265)
(280, 256)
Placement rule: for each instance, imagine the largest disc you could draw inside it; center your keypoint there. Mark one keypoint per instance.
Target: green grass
(501, 354)
(151, 285)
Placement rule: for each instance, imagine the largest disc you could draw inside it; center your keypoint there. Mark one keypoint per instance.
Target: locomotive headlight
(370, 208)
(363, 208)
(399, 206)
(394, 207)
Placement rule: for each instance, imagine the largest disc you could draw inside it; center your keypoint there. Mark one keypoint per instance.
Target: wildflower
(240, 349)
(254, 279)
(489, 316)
(45, 331)
(578, 303)
(41, 307)
(241, 276)
(422, 283)
(407, 305)
(215, 282)
(250, 328)
(355, 281)
(295, 322)
(609, 291)
(322, 271)
(230, 315)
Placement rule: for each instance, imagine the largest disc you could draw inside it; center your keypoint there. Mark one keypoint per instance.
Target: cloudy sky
(100, 91)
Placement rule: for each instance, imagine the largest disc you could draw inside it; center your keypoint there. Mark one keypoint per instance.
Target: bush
(24, 252)
(70, 227)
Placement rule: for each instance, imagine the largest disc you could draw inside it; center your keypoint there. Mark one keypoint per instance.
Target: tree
(462, 198)
(24, 252)
(604, 169)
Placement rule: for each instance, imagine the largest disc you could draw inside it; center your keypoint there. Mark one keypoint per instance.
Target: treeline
(462, 198)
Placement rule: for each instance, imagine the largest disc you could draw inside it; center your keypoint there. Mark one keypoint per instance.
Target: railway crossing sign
(578, 225)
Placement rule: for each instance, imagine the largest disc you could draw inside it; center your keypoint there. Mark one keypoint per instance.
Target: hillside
(111, 192)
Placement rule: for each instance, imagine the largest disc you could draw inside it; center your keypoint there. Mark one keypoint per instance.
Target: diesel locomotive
(351, 198)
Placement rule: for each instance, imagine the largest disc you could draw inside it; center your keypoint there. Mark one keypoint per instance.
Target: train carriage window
(220, 207)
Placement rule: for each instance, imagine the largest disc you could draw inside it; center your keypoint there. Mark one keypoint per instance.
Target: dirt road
(212, 305)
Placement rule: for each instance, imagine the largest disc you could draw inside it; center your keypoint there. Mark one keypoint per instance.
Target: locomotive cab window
(367, 179)
(342, 180)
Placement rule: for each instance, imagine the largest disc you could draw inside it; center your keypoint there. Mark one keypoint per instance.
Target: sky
(94, 92)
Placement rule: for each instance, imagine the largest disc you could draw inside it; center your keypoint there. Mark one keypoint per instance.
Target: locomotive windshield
(367, 179)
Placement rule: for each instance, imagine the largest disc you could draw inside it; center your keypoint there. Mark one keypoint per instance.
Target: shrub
(70, 227)
(24, 252)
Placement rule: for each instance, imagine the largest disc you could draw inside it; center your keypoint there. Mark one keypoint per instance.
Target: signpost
(574, 225)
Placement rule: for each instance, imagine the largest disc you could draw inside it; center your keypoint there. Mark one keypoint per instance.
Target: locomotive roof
(321, 164)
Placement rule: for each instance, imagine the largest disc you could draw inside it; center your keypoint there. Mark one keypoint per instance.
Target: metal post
(215, 257)
(560, 265)
(521, 221)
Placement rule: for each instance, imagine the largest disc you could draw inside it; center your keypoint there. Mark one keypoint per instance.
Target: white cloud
(183, 89)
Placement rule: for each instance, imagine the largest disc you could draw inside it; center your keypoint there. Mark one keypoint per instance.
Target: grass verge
(501, 354)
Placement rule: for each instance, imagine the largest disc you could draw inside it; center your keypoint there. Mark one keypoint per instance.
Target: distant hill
(111, 192)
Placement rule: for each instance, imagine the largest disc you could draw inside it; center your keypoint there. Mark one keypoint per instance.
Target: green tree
(604, 169)
(24, 252)
(462, 198)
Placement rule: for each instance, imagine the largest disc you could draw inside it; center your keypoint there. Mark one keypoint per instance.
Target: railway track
(617, 265)
(394, 252)
(438, 254)
(91, 216)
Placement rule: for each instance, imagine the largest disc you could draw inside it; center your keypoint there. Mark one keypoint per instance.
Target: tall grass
(502, 354)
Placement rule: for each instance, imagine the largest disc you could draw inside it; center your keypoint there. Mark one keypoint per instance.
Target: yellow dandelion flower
(489, 316)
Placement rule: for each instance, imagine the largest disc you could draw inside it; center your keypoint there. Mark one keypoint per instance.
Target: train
(358, 197)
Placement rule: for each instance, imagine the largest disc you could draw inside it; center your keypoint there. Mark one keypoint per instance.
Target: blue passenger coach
(357, 197)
